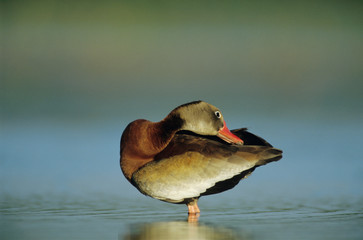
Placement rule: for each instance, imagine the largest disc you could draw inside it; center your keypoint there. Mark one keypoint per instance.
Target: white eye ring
(218, 114)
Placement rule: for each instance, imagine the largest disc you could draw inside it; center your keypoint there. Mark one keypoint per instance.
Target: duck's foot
(193, 217)
(193, 211)
(193, 208)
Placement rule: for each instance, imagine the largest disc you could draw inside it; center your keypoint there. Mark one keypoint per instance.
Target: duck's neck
(142, 140)
(162, 132)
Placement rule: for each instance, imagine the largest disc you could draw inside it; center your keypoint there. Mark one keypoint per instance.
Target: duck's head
(205, 119)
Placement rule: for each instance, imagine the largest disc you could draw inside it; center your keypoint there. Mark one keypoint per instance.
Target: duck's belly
(184, 176)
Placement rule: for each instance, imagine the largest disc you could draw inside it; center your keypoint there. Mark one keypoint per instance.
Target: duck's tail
(269, 155)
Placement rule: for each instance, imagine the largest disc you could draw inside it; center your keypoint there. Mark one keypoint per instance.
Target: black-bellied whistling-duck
(189, 154)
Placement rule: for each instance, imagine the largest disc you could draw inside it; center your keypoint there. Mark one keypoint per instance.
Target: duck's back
(192, 166)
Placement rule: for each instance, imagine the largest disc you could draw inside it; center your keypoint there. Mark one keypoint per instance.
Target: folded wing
(193, 165)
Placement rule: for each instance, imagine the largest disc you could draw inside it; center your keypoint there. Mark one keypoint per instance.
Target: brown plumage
(189, 154)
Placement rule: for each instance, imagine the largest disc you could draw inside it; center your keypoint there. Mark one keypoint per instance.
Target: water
(115, 218)
(62, 181)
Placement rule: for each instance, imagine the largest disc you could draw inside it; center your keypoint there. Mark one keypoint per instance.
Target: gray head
(204, 119)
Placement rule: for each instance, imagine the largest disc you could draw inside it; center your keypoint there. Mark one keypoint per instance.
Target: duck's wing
(193, 165)
(250, 138)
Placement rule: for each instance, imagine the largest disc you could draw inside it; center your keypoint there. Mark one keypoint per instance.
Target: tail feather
(269, 155)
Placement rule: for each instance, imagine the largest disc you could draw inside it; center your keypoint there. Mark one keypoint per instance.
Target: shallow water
(62, 181)
(40, 217)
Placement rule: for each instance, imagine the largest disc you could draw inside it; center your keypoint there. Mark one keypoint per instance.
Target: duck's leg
(193, 207)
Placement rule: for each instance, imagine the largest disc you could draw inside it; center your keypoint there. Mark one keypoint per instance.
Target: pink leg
(193, 207)
(193, 211)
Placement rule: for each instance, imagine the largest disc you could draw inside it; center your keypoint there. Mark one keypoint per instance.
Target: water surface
(123, 218)
(63, 181)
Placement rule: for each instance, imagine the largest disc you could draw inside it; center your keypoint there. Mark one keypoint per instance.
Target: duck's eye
(218, 114)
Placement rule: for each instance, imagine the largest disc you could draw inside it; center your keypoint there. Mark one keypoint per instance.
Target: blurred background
(75, 73)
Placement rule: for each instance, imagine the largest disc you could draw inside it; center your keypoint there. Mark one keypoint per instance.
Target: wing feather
(191, 165)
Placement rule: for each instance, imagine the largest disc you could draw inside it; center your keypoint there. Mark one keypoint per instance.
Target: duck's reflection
(179, 230)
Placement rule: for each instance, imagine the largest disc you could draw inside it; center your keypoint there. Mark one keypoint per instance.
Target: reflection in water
(178, 230)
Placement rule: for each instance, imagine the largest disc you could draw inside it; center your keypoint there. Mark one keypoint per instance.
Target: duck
(189, 154)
